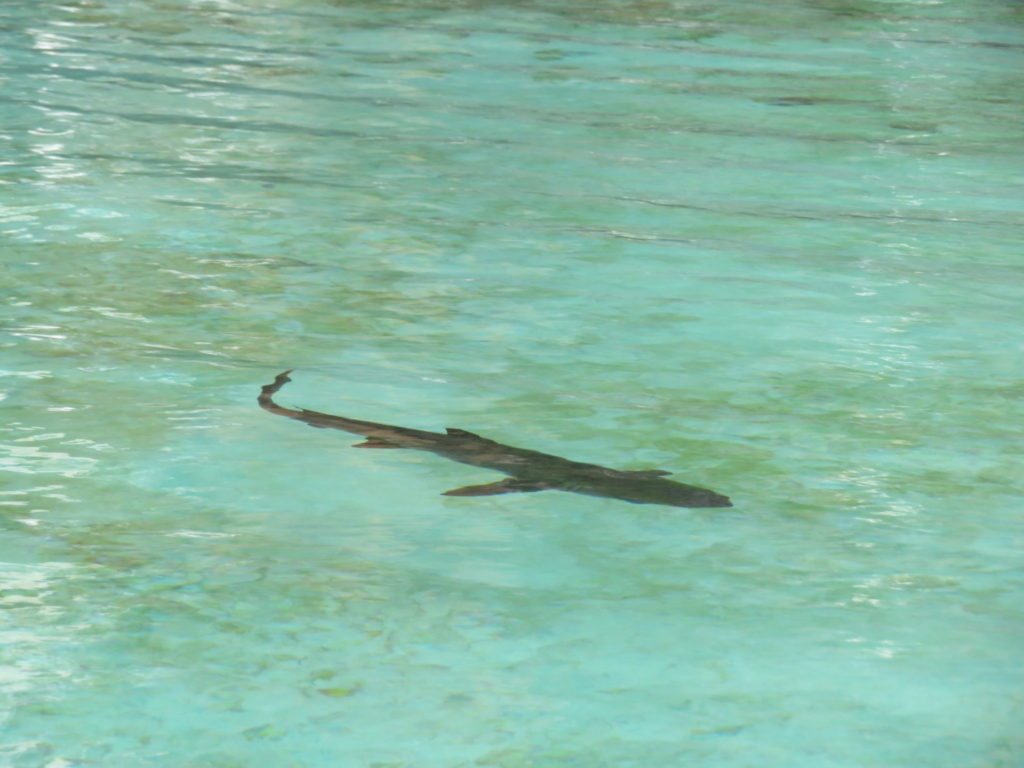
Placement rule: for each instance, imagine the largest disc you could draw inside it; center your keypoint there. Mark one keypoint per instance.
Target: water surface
(772, 248)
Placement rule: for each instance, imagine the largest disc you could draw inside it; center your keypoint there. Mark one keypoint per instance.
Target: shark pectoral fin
(508, 485)
(456, 432)
(650, 472)
(376, 442)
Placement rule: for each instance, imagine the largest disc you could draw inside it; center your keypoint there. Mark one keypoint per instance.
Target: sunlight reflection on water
(771, 248)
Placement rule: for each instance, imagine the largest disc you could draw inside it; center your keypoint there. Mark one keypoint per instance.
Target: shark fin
(456, 432)
(650, 472)
(376, 442)
(508, 485)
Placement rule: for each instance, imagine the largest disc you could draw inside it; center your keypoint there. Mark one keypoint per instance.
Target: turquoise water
(774, 248)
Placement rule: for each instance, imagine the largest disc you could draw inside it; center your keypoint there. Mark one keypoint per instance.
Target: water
(771, 247)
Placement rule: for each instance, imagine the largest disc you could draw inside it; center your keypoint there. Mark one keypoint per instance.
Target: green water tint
(773, 248)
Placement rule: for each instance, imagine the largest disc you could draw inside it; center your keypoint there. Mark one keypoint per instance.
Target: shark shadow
(528, 470)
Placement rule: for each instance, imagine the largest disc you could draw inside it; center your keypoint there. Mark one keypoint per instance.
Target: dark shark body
(527, 470)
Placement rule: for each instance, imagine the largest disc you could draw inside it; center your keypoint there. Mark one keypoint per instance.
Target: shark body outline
(528, 470)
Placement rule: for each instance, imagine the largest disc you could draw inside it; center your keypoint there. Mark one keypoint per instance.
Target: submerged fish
(528, 470)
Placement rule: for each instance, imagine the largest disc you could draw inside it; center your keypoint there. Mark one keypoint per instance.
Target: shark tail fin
(508, 485)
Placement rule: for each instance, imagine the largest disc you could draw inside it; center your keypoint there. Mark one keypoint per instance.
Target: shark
(527, 470)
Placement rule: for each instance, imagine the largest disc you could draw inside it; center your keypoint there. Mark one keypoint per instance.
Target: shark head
(648, 487)
(691, 496)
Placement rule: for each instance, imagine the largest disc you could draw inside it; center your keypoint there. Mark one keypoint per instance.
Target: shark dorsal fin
(456, 432)
(650, 472)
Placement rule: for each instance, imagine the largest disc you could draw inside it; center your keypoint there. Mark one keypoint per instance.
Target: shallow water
(773, 248)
